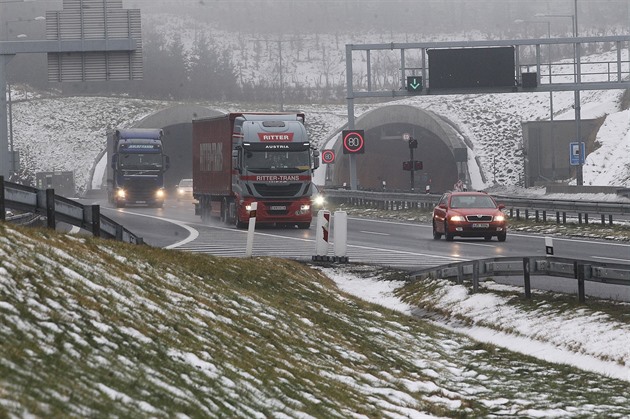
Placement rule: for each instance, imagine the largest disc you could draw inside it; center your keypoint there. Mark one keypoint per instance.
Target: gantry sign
(478, 67)
(89, 40)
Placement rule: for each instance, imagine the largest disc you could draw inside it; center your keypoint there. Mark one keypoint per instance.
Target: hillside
(97, 328)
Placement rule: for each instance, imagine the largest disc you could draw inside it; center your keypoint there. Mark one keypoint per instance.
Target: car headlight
(120, 193)
(160, 193)
(180, 191)
(457, 218)
(499, 218)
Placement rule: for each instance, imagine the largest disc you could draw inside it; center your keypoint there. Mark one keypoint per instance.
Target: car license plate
(481, 225)
(278, 207)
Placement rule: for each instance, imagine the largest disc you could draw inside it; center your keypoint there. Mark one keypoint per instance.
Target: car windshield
(185, 182)
(472, 201)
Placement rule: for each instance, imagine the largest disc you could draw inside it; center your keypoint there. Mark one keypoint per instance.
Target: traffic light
(413, 143)
(417, 165)
(407, 165)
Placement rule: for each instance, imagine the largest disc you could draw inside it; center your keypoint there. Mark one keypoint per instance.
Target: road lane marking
(374, 232)
(192, 233)
(605, 258)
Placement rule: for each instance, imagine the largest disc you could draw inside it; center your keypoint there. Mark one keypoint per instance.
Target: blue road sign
(577, 153)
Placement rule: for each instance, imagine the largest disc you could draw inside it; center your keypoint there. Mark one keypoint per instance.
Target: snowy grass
(97, 328)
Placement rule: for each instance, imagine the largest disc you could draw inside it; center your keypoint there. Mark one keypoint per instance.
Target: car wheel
(502, 237)
(436, 234)
(448, 236)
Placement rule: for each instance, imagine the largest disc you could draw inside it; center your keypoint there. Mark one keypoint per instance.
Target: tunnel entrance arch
(385, 151)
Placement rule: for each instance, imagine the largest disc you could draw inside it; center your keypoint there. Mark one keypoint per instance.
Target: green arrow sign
(414, 84)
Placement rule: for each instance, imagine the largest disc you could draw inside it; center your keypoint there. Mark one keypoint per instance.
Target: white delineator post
(321, 234)
(549, 246)
(341, 236)
(250, 230)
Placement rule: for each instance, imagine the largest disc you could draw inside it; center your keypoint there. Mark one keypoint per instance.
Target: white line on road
(374, 232)
(605, 258)
(192, 233)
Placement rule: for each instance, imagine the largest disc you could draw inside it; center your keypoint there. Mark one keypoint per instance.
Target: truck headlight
(160, 194)
(318, 200)
(120, 193)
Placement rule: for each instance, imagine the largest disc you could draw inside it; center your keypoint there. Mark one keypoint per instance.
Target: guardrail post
(557, 217)
(537, 215)
(460, 274)
(585, 218)
(2, 209)
(564, 217)
(603, 220)
(526, 278)
(96, 220)
(578, 269)
(50, 209)
(119, 232)
(544, 216)
(610, 219)
(475, 276)
(579, 218)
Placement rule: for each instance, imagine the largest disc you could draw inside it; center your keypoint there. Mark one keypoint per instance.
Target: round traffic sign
(353, 142)
(328, 156)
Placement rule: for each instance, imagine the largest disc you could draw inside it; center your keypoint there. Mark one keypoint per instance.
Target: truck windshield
(140, 161)
(276, 161)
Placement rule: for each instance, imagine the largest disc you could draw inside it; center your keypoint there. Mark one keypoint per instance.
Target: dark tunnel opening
(385, 152)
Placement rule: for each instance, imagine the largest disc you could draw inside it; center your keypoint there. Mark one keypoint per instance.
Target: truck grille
(475, 218)
(271, 190)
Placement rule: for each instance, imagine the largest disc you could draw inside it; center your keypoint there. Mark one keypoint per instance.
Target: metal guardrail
(518, 207)
(609, 273)
(57, 208)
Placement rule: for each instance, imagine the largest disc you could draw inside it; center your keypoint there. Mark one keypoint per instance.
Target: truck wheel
(238, 223)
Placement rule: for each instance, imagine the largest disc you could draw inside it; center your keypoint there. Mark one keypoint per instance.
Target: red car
(469, 214)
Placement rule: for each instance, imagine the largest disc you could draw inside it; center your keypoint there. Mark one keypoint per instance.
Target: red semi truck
(240, 158)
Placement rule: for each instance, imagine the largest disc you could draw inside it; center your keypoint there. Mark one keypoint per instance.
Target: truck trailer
(240, 158)
(135, 173)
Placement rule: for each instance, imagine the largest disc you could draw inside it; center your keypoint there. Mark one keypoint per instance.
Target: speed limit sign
(328, 156)
(353, 141)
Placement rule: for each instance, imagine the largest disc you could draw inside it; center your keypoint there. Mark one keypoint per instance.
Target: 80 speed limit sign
(353, 141)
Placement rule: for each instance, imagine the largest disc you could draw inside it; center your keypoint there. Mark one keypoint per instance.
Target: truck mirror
(235, 160)
(315, 159)
(114, 160)
(167, 162)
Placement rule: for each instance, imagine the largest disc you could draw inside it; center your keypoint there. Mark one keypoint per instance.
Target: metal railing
(54, 208)
(608, 273)
(535, 208)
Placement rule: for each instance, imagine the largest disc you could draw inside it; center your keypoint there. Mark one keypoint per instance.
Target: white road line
(605, 258)
(375, 233)
(192, 233)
